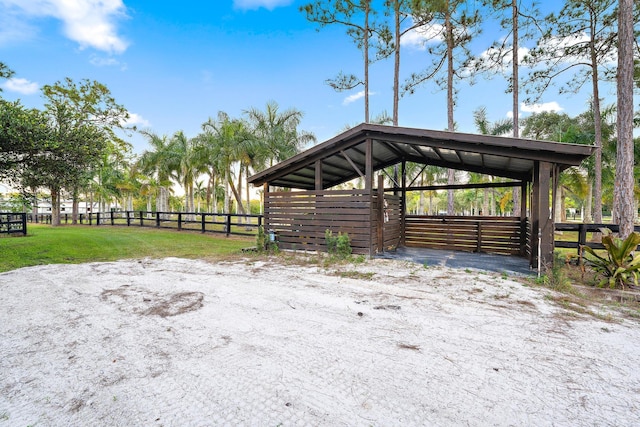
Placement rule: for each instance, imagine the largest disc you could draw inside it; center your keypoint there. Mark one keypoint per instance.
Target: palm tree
(187, 165)
(224, 141)
(276, 134)
(158, 162)
(200, 193)
(149, 188)
(497, 128)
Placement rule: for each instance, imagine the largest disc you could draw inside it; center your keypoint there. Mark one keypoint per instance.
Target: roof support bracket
(353, 165)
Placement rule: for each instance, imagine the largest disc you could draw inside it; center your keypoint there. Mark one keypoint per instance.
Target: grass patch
(77, 244)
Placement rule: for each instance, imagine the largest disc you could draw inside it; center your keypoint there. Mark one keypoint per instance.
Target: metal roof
(343, 156)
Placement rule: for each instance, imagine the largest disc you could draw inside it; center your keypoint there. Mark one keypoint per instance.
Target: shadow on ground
(456, 259)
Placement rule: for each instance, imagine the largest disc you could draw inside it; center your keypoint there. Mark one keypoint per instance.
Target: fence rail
(236, 224)
(13, 223)
(583, 230)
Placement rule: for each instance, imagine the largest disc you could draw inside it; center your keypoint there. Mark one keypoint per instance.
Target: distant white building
(66, 207)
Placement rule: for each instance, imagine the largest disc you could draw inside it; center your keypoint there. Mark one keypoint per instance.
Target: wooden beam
(466, 186)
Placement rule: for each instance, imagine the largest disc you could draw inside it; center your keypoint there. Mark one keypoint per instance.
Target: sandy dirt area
(178, 342)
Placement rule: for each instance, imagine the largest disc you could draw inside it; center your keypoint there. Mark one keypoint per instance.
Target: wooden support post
(403, 204)
(542, 220)
(368, 169)
(380, 216)
(319, 178)
(368, 184)
(523, 219)
(265, 211)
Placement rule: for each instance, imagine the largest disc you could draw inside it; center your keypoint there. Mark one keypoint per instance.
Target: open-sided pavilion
(300, 205)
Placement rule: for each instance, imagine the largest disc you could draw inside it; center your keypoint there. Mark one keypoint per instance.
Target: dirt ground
(178, 342)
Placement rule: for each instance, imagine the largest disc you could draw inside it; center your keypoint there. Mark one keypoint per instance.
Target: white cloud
(491, 57)
(91, 23)
(540, 108)
(257, 4)
(106, 61)
(509, 114)
(14, 28)
(564, 46)
(418, 38)
(136, 120)
(22, 86)
(352, 98)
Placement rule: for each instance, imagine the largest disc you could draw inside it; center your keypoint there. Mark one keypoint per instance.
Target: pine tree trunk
(597, 118)
(516, 102)
(623, 189)
(396, 62)
(451, 175)
(366, 60)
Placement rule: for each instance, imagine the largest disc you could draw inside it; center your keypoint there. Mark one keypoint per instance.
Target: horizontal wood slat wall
(501, 235)
(300, 218)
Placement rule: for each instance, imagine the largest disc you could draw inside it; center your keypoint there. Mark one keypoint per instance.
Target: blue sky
(175, 64)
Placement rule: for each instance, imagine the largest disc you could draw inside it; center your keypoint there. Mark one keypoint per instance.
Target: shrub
(620, 266)
(339, 245)
(264, 242)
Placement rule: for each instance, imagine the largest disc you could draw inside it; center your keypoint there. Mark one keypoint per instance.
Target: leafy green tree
(83, 117)
(24, 136)
(5, 72)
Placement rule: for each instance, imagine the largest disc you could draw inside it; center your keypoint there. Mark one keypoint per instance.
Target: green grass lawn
(77, 244)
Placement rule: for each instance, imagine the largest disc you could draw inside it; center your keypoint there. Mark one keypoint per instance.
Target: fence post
(479, 234)
(128, 218)
(228, 224)
(157, 219)
(141, 220)
(582, 235)
(179, 220)
(24, 224)
(203, 217)
(112, 221)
